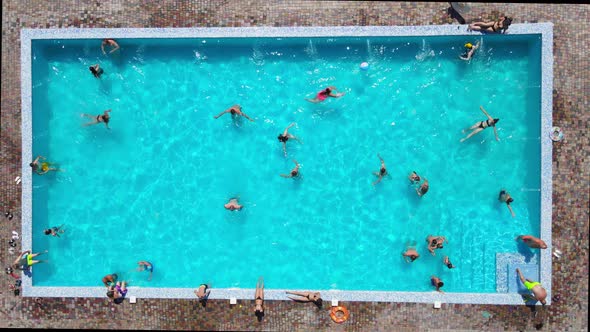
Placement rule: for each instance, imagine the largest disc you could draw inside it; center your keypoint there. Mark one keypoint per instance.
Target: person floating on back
(104, 118)
(235, 111)
(481, 125)
(109, 42)
(505, 197)
(327, 92)
(469, 50)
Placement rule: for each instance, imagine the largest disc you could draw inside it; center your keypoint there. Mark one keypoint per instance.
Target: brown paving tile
(570, 165)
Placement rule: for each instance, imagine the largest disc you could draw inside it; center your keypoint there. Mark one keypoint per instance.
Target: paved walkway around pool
(571, 167)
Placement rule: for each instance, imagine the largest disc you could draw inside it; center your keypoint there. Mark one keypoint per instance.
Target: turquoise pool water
(153, 187)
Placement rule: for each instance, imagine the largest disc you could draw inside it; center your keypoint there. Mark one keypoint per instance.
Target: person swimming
(327, 92)
(96, 70)
(469, 51)
(414, 177)
(423, 189)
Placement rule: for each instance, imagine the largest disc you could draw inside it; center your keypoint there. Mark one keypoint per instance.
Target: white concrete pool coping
(545, 30)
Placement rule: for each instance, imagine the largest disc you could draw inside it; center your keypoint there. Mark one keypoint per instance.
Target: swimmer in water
(414, 177)
(327, 92)
(285, 136)
(109, 42)
(481, 125)
(235, 110)
(294, 172)
(233, 204)
(96, 70)
(382, 171)
(469, 50)
(423, 189)
(104, 118)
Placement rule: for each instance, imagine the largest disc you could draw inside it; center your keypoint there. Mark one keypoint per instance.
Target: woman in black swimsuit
(259, 299)
(499, 26)
(285, 136)
(105, 117)
(481, 125)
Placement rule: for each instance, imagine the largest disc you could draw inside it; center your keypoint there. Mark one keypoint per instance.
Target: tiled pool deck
(569, 307)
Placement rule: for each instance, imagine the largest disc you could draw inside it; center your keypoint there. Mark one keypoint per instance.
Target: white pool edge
(544, 29)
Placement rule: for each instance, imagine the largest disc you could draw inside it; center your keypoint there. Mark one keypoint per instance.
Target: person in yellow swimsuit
(535, 287)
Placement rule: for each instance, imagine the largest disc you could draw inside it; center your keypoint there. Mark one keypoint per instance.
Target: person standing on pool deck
(105, 118)
(535, 287)
(146, 266)
(436, 282)
(233, 204)
(532, 241)
(382, 171)
(505, 197)
(235, 110)
(327, 92)
(481, 125)
(110, 42)
(285, 136)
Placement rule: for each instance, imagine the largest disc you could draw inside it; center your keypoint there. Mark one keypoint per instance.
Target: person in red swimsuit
(327, 92)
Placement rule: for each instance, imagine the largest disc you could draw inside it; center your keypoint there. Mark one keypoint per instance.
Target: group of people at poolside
(410, 254)
(204, 290)
(116, 289)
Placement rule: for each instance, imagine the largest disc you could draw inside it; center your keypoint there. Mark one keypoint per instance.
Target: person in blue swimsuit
(146, 266)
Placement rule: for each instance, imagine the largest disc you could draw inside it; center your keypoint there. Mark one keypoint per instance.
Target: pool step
(506, 277)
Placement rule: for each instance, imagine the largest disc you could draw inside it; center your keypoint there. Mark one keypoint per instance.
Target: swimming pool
(154, 186)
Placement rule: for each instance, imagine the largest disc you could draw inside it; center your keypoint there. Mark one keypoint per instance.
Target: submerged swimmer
(233, 204)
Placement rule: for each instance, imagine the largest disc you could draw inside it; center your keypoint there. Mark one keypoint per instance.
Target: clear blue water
(153, 187)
